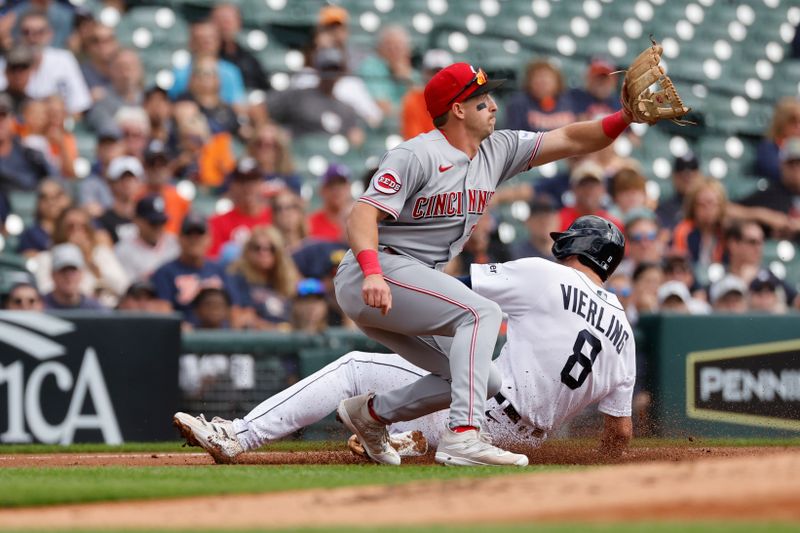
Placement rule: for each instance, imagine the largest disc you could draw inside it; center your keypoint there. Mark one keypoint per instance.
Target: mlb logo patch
(387, 183)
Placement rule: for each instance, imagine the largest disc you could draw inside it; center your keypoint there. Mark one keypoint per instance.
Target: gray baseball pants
(426, 302)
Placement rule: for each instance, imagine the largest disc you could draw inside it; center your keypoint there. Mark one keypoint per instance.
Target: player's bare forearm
(362, 227)
(362, 233)
(576, 139)
(617, 434)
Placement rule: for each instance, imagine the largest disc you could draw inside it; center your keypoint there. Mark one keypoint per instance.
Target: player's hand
(376, 293)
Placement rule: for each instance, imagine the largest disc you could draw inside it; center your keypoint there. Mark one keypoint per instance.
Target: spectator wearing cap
(389, 73)
(228, 21)
(728, 295)
(310, 311)
(250, 209)
(317, 262)
(674, 296)
(158, 181)
(127, 88)
(101, 47)
(685, 174)
(23, 296)
(767, 294)
(542, 104)
(333, 22)
(179, 281)
(599, 96)
(543, 218)
(94, 192)
(312, 110)
(103, 272)
(141, 296)
(785, 124)
(205, 40)
(60, 18)
(266, 277)
(589, 189)
(19, 68)
(204, 91)
(328, 60)
(150, 246)
(644, 242)
(125, 176)
(67, 276)
(744, 242)
(21, 167)
(414, 118)
(55, 71)
(271, 150)
(628, 192)
(51, 200)
(778, 206)
(327, 224)
(700, 234)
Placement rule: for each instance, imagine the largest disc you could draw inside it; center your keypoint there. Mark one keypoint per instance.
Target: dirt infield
(556, 452)
(679, 483)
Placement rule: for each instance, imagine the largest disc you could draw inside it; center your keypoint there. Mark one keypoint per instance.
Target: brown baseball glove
(648, 94)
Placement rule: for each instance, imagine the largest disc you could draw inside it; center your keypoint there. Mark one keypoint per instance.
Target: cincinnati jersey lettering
(451, 204)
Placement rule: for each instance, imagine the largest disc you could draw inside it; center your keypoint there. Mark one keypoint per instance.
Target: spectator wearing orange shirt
(327, 224)
(588, 187)
(250, 209)
(414, 116)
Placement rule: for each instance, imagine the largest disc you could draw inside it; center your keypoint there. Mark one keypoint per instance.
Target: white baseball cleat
(406, 443)
(474, 448)
(354, 413)
(216, 437)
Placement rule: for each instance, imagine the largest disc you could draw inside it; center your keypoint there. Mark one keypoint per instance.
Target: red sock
(373, 414)
(462, 429)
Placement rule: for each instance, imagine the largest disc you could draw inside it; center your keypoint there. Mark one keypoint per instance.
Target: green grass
(47, 486)
(635, 527)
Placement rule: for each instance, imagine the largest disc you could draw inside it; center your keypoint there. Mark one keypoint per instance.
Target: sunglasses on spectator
(25, 301)
(753, 242)
(261, 248)
(30, 32)
(644, 236)
(18, 68)
(622, 291)
(285, 207)
(55, 196)
(266, 143)
(133, 133)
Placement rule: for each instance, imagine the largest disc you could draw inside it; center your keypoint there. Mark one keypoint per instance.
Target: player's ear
(458, 109)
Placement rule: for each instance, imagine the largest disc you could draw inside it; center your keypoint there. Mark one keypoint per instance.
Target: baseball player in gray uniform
(417, 213)
(569, 345)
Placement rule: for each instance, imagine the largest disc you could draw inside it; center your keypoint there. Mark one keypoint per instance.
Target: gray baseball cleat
(354, 413)
(474, 448)
(216, 437)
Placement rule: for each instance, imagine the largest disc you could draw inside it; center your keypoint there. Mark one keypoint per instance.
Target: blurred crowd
(127, 237)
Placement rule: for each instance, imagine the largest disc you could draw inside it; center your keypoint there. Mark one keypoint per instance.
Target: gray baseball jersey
(434, 194)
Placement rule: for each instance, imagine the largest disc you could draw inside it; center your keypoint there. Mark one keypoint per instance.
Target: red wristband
(368, 259)
(614, 125)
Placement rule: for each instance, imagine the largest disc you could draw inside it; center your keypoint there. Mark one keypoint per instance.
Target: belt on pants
(511, 412)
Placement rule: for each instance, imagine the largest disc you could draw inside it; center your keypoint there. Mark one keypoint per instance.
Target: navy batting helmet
(598, 243)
